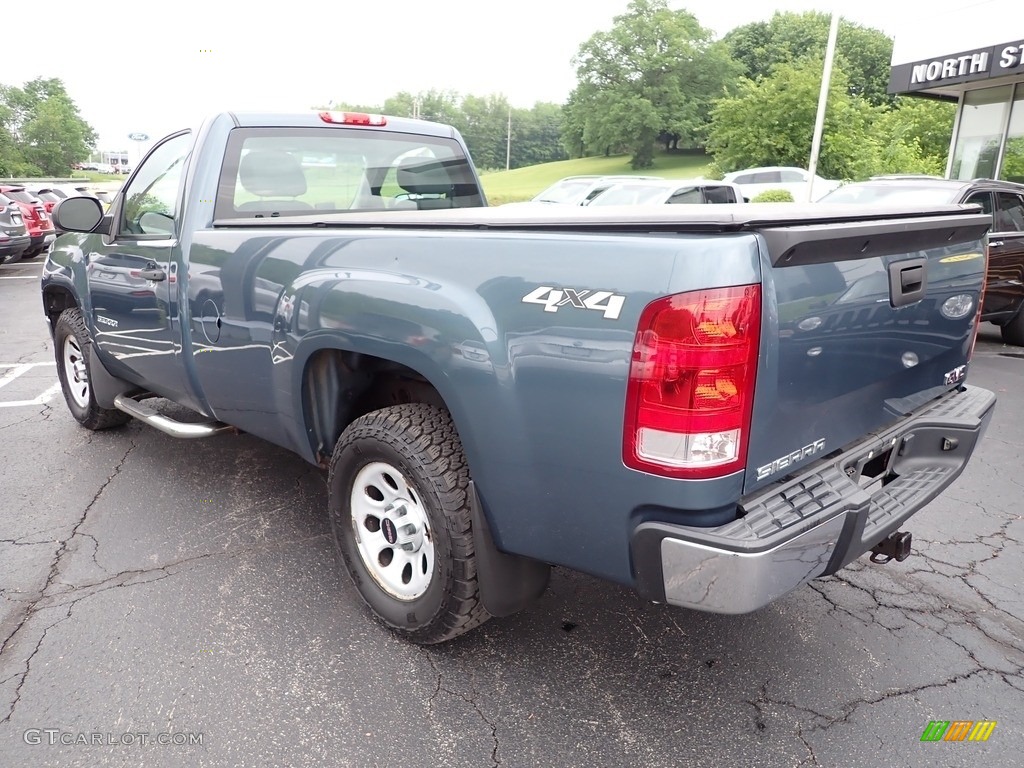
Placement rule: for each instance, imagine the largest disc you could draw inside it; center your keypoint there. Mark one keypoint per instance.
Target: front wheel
(1013, 330)
(399, 507)
(71, 343)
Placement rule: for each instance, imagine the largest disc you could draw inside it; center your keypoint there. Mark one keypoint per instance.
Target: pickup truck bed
(712, 404)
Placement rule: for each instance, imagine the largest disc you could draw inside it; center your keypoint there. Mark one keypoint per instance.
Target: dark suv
(1004, 200)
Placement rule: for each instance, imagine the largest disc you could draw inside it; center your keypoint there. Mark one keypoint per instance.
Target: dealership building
(972, 55)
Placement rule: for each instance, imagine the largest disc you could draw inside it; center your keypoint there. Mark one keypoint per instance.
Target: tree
(771, 122)
(863, 53)
(928, 121)
(536, 135)
(41, 130)
(485, 130)
(656, 71)
(483, 122)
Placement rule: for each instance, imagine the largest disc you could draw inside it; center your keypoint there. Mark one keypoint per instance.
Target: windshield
(927, 195)
(21, 196)
(563, 192)
(631, 194)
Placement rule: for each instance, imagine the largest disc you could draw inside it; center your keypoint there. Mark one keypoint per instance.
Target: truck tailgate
(864, 322)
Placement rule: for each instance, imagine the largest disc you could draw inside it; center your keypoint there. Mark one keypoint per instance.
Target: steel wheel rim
(392, 531)
(75, 372)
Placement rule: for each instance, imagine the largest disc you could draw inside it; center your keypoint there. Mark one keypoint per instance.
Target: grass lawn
(524, 183)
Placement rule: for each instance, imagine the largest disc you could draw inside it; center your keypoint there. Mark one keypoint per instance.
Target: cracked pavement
(154, 585)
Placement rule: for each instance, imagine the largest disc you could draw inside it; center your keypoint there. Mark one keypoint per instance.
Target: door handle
(152, 273)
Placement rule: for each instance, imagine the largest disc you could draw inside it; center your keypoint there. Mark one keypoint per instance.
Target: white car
(580, 190)
(754, 181)
(669, 191)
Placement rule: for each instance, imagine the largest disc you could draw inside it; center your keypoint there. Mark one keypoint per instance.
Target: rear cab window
(272, 172)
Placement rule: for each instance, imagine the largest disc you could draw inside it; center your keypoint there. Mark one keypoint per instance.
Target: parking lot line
(20, 277)
(41, 400)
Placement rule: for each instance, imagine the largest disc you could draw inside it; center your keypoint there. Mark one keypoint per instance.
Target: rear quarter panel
(537, 396)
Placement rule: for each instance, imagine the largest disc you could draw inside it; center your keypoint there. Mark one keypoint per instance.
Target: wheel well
(339, 387)
(55, 301)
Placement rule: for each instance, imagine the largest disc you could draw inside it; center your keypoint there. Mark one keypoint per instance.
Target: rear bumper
(816, 522)
(13, 247)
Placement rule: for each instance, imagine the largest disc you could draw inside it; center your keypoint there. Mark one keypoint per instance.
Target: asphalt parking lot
(150, 586)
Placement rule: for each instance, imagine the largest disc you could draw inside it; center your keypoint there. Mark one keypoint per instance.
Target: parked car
(59, 191)
(675, 191)
(580, 190)
(1003, 200)
(754, 181)
(37, 220)
(14, 239)
(48, 197)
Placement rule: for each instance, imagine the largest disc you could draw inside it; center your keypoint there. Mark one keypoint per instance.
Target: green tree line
(750, 98)
(655, 79)
(495, 132)
(41, 132)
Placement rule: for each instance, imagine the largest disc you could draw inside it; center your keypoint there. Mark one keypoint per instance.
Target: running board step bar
(166, 424)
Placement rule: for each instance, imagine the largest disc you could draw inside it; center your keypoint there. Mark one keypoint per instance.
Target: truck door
(132, 272)
(1005, 289)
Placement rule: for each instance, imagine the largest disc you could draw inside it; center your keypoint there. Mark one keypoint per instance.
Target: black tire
(71, 325)
(31, 254)
(420, 442)
(1013, 330)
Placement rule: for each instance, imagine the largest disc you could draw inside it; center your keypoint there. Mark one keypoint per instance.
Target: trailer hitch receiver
(895, 546)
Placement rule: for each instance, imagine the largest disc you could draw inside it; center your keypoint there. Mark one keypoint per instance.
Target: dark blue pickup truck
(711, 404)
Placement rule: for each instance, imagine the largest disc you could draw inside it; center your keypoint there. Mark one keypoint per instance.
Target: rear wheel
(399, 507)
(1013, 330)
(72, 343)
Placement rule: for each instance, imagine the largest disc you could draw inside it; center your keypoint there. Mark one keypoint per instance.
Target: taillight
(981, 302)
(691, 383)
(353, 118)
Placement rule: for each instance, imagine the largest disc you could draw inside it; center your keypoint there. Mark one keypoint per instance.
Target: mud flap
(508, 583)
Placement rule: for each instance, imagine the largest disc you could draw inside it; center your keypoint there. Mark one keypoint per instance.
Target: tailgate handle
(911, 278)
(908, 280)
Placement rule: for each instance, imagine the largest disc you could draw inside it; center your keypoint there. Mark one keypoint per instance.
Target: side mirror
(156, 223)
(77, 214)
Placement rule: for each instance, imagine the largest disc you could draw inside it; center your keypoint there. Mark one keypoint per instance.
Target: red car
(37, 220)
(47, 197)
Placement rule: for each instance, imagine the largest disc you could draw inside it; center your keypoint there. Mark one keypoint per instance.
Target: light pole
(508, 142)
(819, 122)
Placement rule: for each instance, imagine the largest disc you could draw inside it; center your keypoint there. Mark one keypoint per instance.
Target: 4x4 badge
(553, 298)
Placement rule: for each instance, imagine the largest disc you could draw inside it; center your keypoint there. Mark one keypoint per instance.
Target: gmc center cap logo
(389, 530)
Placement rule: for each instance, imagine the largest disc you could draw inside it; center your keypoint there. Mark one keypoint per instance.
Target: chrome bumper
(816, 522)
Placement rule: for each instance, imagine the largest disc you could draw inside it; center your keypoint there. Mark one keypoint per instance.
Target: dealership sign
(978, 64)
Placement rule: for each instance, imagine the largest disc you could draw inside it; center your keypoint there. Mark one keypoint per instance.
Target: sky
(154, 69)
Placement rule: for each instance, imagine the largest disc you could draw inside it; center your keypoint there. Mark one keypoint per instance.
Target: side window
(719, 195)
(791, 177)
(767, 177)
(150, 207)
(687, 195)
(984, 199)
(746, 178)
(1010, 213)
